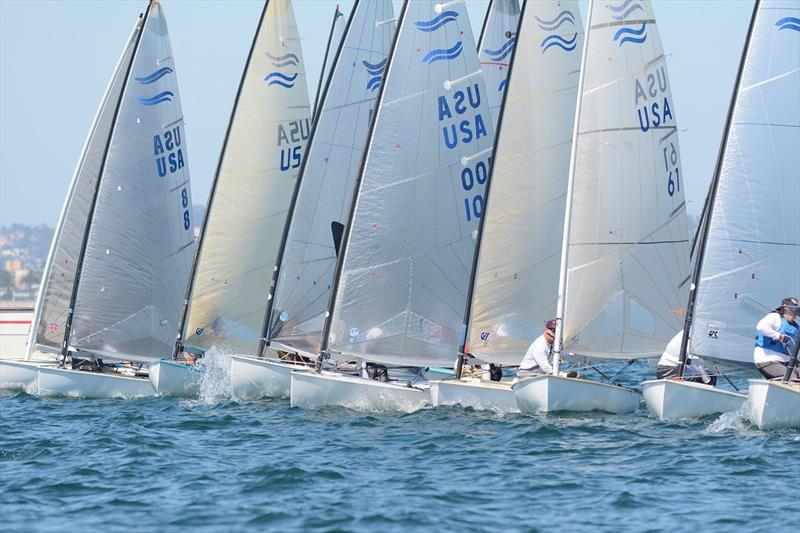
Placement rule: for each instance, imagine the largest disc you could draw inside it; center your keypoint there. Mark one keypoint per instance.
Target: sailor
(539, 357)
(776, 335)
(667, 366)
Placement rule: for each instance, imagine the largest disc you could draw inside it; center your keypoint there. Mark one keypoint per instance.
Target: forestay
(516, 279)
(495, 49)
(326, 187)
(753, 246)
(141, 241)
(403, 278)
(627, 263)
(249, 201)
(53, 302)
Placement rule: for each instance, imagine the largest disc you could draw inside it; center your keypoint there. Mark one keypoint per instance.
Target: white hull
(20, 375)
(548, 393)
(171, 378)
(311, 390)
(774, 404)
(669, 399)
(478, 395)
(253, 378)
(56, 381)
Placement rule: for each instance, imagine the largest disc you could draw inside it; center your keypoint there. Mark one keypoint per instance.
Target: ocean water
(217, 465)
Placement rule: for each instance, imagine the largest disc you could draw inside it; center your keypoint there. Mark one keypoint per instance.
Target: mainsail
(140, 243)
(625, 259)
(752, 247)
(498, 37)
(53, 302)
(402, 279)
(516, 276)
(250, 197)
(324, 194)
(338, 27)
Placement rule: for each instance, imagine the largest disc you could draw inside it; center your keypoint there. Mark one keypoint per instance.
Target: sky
(56, 58)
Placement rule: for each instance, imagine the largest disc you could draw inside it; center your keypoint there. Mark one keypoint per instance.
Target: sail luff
(708, 207)
(209, 204)
(322, 77)
(485, 24)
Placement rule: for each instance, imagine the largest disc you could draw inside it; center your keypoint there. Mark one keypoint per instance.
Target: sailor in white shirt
(539, 357)
(776, 335)
(667, 366)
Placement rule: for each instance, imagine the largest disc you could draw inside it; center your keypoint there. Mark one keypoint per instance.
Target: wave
(616, 9)
(628, 12)
(164, 96)
(561, 18)
(155, 76)
(631, 35)
(503, 51)
(440, 54)
(437, 22)
(278, 78)
(502, 85)
(788, 23)
(559, 41)
(375, 69)
(374, 83)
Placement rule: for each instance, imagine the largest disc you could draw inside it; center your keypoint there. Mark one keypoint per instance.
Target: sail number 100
(473, 179)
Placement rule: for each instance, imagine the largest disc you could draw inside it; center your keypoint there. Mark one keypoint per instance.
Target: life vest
(789, 329)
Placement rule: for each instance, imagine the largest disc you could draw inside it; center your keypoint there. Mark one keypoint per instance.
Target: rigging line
(179, 186)
(624, 76)
(628, 243)
(768, 124)
(769, 80)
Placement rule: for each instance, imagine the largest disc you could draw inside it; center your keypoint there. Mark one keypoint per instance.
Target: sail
(403, 279)
(55, 293)
(334, 41)
(628, 247)
(495, 50)
(250, 198)
(140, 245)
(326, 187)
(516, 279)
(752, 250)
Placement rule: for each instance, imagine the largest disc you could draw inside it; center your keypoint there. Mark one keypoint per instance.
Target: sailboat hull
(311, 390)
(253, 378)
(478, 395)
(668, 399)
(548, 393)
(20, 375)
(171, 378)
(56, 381)
(774, 404)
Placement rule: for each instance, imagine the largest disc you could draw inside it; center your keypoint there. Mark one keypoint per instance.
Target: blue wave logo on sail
(559, 41)
(564, 17)
(443, 54)
(164, 96)
(788, 23)
(625, 9)
(154, 77)
(436, 22)
(279, 78)
(502, 85)
(376, 73)
(631, 35)
(503, 51)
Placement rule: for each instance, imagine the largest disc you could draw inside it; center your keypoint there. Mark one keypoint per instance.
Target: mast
(558, 342)
(210, 203)
(792, 363)
(322, 78)
(93, 205)
(711, 198)
(485, 24)
(326, 327)
(463, 349)
(265, 331)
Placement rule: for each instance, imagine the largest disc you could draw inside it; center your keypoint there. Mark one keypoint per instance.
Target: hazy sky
(56, 58)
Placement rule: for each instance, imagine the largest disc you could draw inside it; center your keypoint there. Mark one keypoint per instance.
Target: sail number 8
(187, 220)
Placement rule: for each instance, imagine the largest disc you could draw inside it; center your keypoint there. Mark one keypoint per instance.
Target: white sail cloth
(255, 180)
(496, 48)
(326, 186)
(627, 250)
(403, 282)
(516, 279)
(752, 254)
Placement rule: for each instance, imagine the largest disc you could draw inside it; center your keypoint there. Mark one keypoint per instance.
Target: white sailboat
(495, 50)
(226, 299)
(625, 252)
(516, 270)
(306, 259)
(338, 28)
(127, 220)
(403, 272)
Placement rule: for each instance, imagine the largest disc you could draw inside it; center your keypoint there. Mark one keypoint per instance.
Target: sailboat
(404, 266)
(625, 252)
(747, 256)
(516, 271)
(128, 223)
(338, 27)
(226, 298)
(495, 50)
(303, 277)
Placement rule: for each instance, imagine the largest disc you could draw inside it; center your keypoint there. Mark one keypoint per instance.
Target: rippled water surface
(217, 465)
